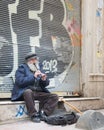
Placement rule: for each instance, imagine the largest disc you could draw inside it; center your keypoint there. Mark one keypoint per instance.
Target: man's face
(34, 61)
(31, 65)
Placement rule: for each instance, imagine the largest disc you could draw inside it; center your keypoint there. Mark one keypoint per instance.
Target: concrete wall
(92, 48)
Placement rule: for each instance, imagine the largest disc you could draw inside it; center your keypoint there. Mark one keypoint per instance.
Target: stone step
(91, 103)
(17, 110)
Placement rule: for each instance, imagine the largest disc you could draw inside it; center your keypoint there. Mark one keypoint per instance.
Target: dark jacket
(25, 79)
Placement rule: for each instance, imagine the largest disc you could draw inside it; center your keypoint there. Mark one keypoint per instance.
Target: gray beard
(32, 67)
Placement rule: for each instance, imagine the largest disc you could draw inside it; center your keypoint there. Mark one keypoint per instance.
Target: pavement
(28, 125)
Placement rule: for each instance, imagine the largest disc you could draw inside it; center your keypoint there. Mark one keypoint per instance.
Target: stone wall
(92, 81)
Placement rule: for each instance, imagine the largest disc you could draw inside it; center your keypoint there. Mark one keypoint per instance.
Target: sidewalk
(28, 125)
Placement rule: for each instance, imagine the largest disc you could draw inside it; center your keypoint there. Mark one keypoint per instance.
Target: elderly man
(30, 84)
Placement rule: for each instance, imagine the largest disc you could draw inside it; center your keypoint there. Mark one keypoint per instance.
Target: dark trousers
(47, 101)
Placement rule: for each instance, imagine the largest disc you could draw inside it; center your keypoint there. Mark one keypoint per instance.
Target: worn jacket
(24, 79)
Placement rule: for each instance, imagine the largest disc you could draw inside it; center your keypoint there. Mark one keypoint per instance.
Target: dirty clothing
(29, 88)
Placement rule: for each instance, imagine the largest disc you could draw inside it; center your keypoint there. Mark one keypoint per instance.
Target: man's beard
(32, 67)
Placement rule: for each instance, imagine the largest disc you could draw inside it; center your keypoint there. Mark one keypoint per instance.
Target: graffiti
(69, 5)
(5, 34)
(3, 42)
(74, 32)
(50, 66)
(59, 46)
(38, 26)
(98, 13)
(22, 20)
(21, 111)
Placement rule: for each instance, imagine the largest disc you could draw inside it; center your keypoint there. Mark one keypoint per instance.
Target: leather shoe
(35, 118)
(43, 116)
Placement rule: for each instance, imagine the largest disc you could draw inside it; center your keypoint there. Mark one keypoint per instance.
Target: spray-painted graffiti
(69, 5)
(50, 66)
(74, 32)
(38, 26)
(24, 20)
(21, 111)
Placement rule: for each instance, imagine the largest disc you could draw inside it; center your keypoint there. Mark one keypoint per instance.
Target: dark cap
(31, 55)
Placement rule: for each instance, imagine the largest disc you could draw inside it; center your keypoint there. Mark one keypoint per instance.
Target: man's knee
(27, 92)
(55, 97)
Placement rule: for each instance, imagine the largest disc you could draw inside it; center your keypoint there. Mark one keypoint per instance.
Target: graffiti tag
(21, 111)
(50, 66)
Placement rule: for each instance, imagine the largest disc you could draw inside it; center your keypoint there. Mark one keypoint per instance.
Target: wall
(93, 48)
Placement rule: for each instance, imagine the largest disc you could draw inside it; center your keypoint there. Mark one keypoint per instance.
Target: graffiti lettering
(44, 21)
(24, 24)
(6, 50)
(38, 26)
(50, 66)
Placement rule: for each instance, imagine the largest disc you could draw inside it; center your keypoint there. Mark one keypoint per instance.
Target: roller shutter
(51, 28)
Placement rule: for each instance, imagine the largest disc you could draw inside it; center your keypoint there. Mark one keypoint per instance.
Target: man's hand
(43, 76)
(37, 73)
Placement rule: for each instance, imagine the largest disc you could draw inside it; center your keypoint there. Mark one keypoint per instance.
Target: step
(17, 110)
(83, 104)
(13, 110)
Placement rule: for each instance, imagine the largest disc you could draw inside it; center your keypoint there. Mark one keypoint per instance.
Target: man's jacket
(25, 79)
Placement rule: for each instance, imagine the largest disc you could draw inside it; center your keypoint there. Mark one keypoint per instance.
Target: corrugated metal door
(51, 28)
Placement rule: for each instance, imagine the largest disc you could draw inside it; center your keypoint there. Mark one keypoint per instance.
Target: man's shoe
(35, 118)
(43, 116)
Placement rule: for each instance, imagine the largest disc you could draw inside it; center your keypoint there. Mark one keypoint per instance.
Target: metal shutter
(51, 28)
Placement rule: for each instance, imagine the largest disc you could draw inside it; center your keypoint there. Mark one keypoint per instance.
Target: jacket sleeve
(21, 79)
(45, 83)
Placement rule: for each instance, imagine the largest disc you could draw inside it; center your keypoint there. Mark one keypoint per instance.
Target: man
(30, 84)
